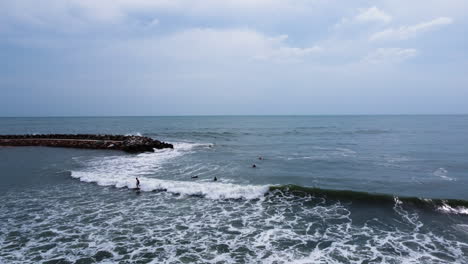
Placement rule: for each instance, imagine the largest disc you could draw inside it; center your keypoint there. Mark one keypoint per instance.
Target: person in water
(137, 183)
(215, 179)
(254, 166)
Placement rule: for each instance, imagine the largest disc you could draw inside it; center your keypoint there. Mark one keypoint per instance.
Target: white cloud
(58, 13)
(275, 49)
(204, 46)
(365, 15)
(389, 55)
(210, 44)
(372, 14)
(406, 32)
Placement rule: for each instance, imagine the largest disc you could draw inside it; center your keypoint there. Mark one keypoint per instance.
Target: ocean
(325, 189)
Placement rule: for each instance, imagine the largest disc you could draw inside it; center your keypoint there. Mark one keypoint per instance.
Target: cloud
(365, 15)
(389, 55)
(406, 32)
(372, 14)
(226, 46)
(276, 49)
(59, 14)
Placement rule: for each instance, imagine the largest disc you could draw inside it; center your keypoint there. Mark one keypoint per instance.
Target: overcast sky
(211, 57)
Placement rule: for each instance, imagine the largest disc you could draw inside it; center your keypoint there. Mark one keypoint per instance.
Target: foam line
(212, 190)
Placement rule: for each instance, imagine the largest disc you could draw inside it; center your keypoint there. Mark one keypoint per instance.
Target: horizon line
(229, 115)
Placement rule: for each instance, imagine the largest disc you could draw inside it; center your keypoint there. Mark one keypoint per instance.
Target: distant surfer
(254, 166)
(137, 183)
(260, 158)
(215, 179)
(195, 177)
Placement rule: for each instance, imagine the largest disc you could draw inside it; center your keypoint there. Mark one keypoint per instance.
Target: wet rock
(133, 144)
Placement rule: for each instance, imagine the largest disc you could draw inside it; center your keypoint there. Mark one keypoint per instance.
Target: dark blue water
(63, 204)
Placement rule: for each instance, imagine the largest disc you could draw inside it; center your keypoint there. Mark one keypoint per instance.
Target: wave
(358, 132)
(211, 190)
(443, 174)
(196, 134)
(371, 131)
(219, 190)
(299, 131)
(456, 206)
(120, 171)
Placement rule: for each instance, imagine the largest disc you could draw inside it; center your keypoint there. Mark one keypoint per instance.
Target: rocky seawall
(133, 144)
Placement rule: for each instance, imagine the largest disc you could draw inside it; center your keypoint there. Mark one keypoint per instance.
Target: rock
(133, 144)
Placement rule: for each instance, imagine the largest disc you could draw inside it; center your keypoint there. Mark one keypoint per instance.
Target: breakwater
(133, 144)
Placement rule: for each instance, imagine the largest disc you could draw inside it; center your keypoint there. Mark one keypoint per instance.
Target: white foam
(212, 190)
(134, 134)
(442, 173)
(164, 229)
(120, 171)
(445, 208)
(136, 165)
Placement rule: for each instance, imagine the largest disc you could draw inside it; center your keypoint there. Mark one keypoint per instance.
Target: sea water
(406, 176)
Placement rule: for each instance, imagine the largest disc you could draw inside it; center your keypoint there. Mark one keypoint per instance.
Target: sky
(233, 57)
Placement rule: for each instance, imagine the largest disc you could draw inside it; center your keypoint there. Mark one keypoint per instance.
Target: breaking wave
(455, 206)
(120, 172)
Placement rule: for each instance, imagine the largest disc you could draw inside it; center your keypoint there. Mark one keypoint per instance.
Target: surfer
(215, 179)
(260, 158)
(195, 177)
(254, 166)
(137, 183)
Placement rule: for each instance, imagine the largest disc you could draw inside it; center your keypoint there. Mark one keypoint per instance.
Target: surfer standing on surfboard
(137, 183)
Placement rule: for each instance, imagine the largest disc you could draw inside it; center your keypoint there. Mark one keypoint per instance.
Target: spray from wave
(134, 134)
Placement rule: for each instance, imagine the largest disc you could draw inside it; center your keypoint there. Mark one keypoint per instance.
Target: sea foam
(212, 190)
(120, 172)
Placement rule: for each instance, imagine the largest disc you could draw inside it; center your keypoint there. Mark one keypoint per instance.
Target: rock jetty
(133, 144)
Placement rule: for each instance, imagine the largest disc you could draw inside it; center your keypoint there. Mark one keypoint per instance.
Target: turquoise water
(77, 206)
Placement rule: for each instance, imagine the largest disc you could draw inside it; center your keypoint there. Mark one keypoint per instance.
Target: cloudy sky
(211, 57)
